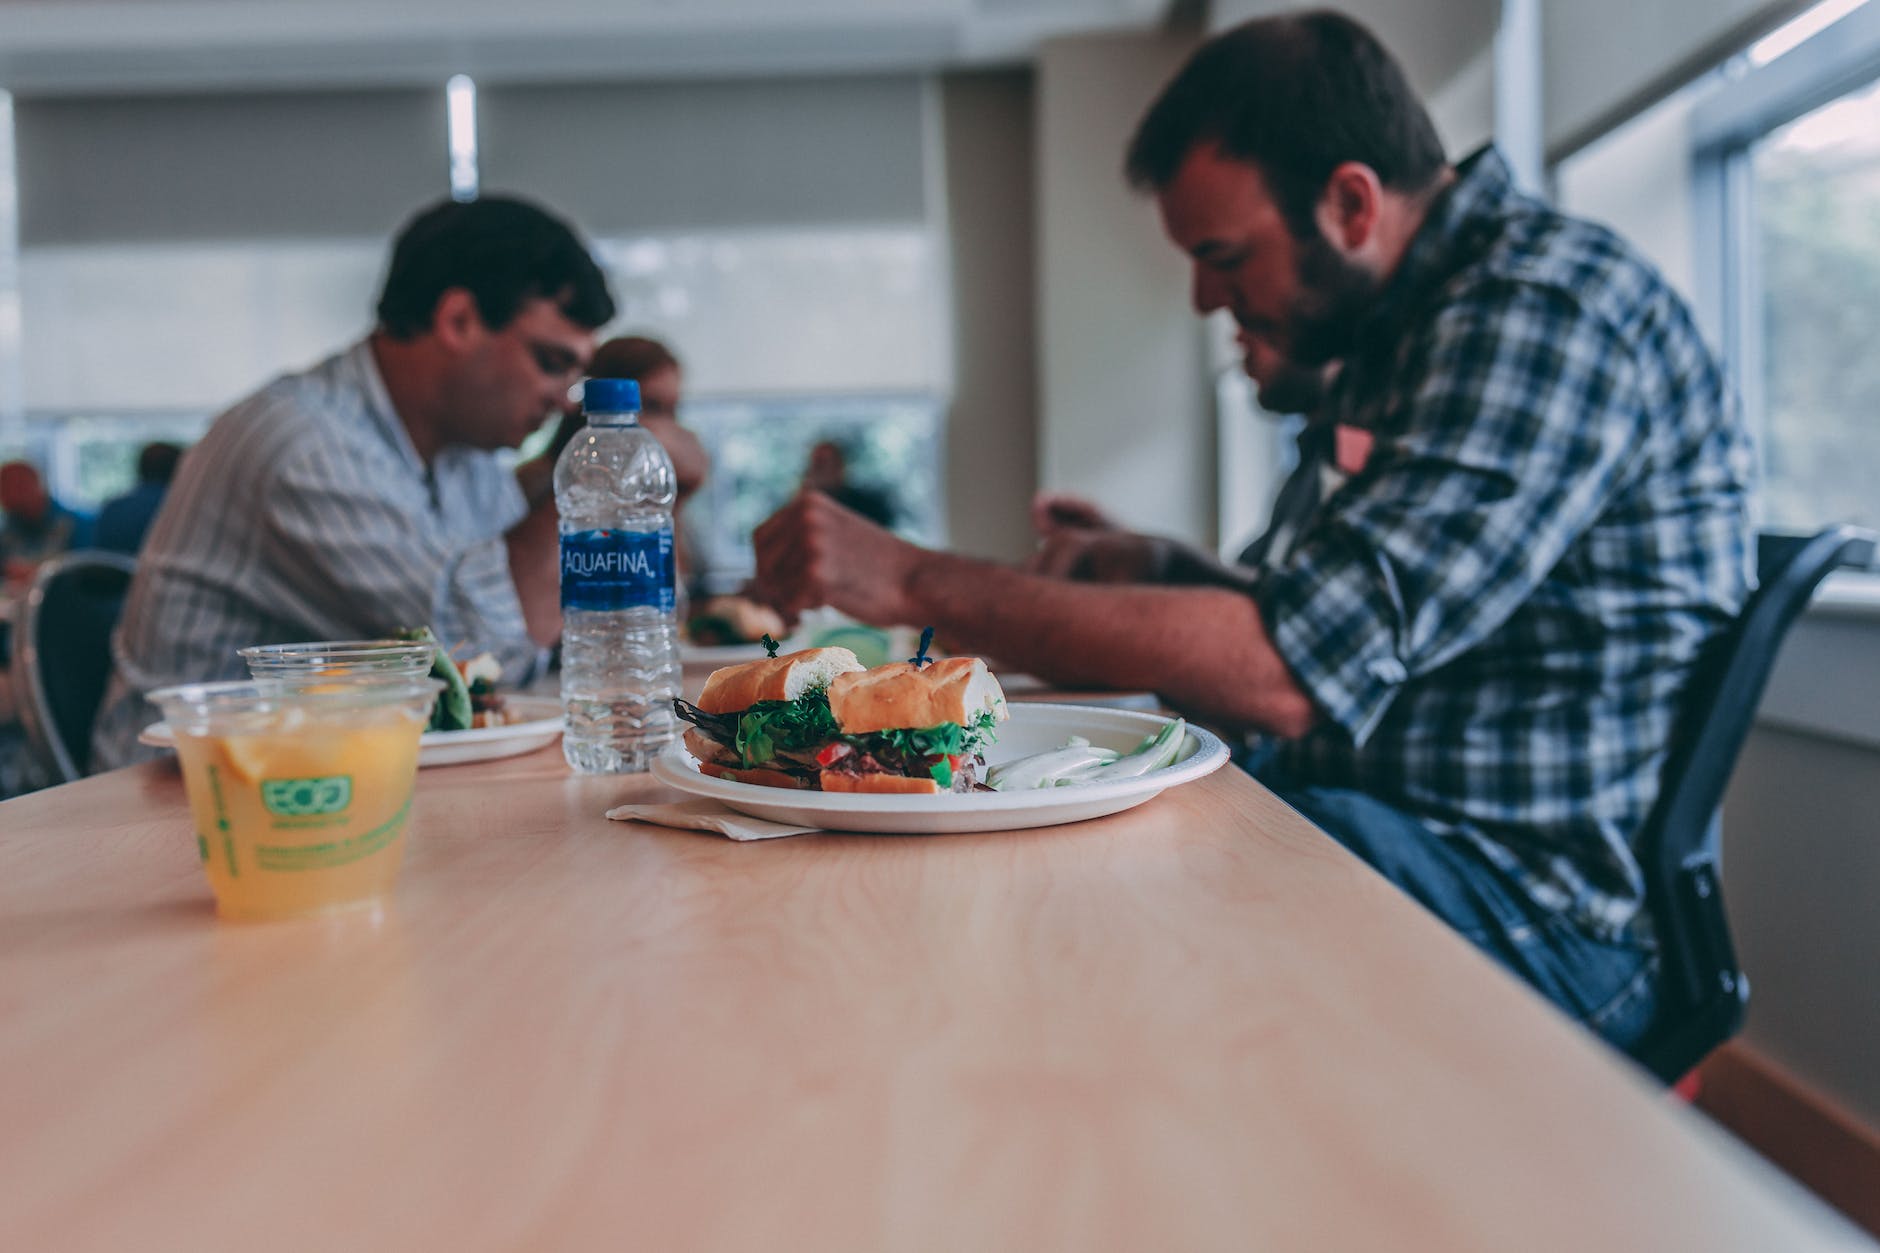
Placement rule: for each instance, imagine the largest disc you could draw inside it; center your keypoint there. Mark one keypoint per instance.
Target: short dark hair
(156, 463)
(1297, 95)
(630, 357)
(503, 251)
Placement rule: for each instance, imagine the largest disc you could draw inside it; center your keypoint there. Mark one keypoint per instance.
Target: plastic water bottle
(614, 487)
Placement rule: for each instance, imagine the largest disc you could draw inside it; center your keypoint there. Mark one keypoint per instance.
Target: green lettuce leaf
(773, 726)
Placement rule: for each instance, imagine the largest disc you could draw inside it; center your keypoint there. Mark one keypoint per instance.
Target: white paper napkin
(706, 815)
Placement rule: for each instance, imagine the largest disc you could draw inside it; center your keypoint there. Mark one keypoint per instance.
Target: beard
(1334, 295)
(1292, 389)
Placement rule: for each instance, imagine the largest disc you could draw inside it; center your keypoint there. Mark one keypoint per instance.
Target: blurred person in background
(124, 519)
(657, 370)
(828, 473)
(366, 495)
(36, 525)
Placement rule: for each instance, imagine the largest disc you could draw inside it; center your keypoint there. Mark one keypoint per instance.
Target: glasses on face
(555, 361)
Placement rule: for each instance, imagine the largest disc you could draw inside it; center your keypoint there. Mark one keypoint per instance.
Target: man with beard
(366, 494)
(1469, 661)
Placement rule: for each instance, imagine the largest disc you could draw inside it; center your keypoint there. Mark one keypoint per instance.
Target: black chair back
(62, 654)
(1702, 990)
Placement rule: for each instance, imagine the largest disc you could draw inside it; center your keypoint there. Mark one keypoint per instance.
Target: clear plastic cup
(324, 661)
(300, 795)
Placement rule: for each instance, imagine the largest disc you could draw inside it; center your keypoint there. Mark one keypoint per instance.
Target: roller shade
(647, 158)
(306, 165)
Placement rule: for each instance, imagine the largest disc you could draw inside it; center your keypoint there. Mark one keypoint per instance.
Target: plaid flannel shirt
(1497, 615)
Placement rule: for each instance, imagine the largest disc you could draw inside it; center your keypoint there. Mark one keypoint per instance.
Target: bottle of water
(614, 486)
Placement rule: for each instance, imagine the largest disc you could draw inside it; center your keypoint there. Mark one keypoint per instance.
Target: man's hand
(813, 552)
(690, 461)
(1101, 556)
(1054, 512)
(1077, 540)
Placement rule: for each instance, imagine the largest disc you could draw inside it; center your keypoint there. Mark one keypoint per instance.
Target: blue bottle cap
(610, 396)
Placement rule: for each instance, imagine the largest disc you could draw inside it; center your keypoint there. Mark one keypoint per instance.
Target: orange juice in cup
(300, 796)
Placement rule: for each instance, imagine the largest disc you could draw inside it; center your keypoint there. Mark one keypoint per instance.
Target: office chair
(62, 654)
(1702, 992)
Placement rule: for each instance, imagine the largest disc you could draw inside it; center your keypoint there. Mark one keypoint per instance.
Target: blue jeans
(1611, 987)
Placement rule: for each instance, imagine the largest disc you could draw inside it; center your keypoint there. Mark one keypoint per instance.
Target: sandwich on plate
(818, 719)
(766, 721)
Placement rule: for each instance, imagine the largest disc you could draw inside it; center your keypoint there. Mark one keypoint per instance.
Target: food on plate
(731, 620)
(911, 728)
(470, 698)
(764, 721)
(481, 674)
(1080, 762)
(816, 719)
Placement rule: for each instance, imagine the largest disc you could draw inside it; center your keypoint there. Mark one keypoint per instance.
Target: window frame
(1748, 105)
(1822, 681)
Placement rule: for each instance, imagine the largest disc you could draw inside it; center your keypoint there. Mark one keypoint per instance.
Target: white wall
(1609, 59)
(992, 429)
(1637, 180)
(1435, 40)
(1801, 874)
(1126, 415)
(1464, 107)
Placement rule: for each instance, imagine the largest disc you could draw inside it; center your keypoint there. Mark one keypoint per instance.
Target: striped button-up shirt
(306, 514)
(1497, 615)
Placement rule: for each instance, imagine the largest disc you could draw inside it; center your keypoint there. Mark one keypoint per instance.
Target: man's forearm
(1204, 649)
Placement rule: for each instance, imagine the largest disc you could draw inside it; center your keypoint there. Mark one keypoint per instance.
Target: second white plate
(541, 727)
(719, 654)
(1031, 729)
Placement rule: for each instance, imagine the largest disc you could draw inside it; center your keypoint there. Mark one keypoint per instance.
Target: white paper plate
(449, 748)
(1031, 729)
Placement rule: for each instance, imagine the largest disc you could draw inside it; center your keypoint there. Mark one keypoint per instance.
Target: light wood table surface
(1196, 1025)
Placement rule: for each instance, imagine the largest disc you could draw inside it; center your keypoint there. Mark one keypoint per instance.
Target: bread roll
(735, 688)
(899, 697)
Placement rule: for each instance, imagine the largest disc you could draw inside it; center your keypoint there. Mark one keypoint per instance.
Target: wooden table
(1197, 1025)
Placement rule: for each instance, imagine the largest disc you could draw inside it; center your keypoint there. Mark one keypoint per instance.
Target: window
(790, 337)
(759, 449)
(1787, 182)
(1816, 240)
(89, 458)
(126, 343)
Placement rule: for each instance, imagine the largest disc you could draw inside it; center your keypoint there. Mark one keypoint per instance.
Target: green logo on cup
(301, 798)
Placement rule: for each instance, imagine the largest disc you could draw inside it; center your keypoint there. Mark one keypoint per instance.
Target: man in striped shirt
(366, 494)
